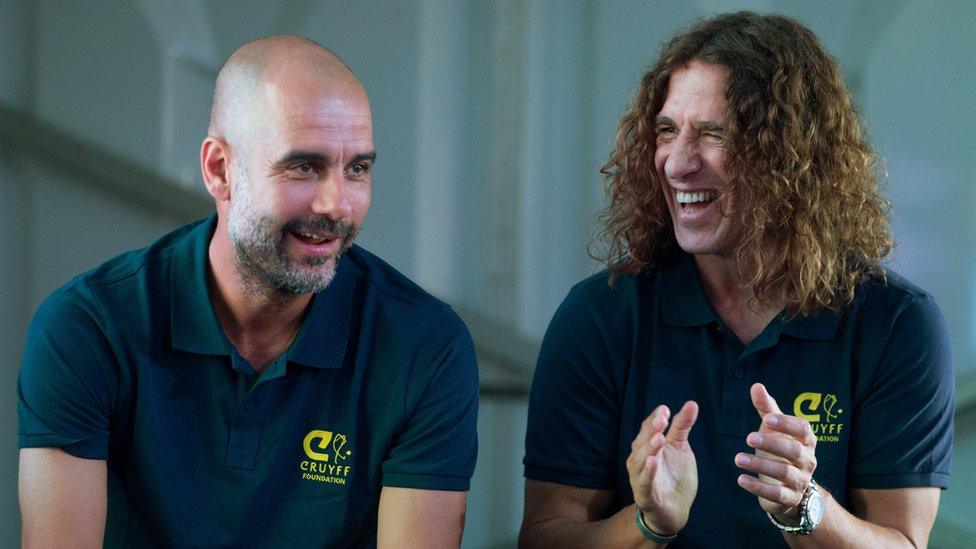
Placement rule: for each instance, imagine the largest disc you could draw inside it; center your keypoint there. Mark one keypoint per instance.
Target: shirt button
(250, 404)
(738, 372)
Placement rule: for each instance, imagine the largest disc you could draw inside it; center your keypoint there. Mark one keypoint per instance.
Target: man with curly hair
(744, 235)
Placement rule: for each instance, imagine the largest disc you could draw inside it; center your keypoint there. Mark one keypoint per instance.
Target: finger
(651, 424)
(654, 423)
(782, 471)
(775, 493)
(683, 421)
(645, 477)
(642, 475)
(762, 400)
(647, 443)
(787, 448)
(652, 447)
(793, 426)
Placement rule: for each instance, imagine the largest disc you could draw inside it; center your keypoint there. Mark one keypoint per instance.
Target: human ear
(214, 161)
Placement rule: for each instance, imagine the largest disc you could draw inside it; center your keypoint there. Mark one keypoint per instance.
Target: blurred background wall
(491, 121)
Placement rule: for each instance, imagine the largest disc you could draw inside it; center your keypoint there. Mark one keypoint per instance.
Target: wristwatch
(811, 511)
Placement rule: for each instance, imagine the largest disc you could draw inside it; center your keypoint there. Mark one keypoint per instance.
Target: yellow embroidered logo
(822, 413)
(326, 453)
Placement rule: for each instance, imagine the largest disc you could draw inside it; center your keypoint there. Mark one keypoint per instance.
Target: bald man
(253, 379)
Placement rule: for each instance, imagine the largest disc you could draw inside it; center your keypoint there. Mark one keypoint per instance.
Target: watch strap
(796, 530)
(803, 526)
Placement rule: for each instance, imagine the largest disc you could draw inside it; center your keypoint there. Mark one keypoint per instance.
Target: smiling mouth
(314, 238)
(701, 197)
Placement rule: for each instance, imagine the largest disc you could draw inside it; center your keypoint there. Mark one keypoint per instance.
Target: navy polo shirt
(128, 363)
(875, 383)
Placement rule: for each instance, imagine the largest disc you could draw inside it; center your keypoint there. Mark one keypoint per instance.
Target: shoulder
(399, 298)
(602, 292)
(83, 288)
(391, 283)
(597, 322)
(892, 288)
(897, 324)
(410, 326)
(605, 304)
(893, 300)
(138, 263)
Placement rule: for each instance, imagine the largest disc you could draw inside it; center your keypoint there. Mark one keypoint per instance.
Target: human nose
(332, 197)
(683, 159)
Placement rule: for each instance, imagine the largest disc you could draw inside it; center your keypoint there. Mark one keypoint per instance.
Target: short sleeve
(903, 433)
(437, 446)
(574, 416)
(68, 382)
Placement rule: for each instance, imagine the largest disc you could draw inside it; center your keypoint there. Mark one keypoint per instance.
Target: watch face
(814, 509)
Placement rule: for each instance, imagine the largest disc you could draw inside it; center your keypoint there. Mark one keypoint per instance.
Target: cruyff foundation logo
(326, 452)
(822, 412)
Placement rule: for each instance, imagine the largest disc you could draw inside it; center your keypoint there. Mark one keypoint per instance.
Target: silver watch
(811, 511)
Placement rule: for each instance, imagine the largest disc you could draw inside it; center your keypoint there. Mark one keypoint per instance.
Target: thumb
(683, 421)
(763, 401)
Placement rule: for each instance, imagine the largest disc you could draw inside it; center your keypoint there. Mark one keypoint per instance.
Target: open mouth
(695, 200)
(313, 238)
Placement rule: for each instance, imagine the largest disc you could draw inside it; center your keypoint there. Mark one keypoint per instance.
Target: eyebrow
(710, 126)
(371, 156)
(308, 156)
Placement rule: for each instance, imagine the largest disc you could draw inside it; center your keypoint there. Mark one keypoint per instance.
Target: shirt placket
(740, 371)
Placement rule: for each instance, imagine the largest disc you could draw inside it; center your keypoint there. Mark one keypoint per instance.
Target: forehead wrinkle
(696, 94)
(334, 143)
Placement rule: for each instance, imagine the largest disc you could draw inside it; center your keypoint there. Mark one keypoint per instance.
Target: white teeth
(689, 198)
(310, 236)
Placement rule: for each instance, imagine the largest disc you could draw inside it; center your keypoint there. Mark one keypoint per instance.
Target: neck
(260, 324)
(733, 298)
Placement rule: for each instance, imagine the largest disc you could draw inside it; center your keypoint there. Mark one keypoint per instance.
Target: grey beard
(263, 265)
(264, 269)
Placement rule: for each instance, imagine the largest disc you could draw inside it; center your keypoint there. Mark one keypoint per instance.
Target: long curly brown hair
(816, 224)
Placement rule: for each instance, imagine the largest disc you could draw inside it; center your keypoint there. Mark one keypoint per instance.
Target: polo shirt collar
(194, 323)
(321, 342)
(683, 297)
(685, 303)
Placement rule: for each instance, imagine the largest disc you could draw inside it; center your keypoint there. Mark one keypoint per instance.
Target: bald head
(264, 73)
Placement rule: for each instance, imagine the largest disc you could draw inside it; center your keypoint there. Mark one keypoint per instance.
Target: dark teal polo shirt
(128, 363)
(875, 382)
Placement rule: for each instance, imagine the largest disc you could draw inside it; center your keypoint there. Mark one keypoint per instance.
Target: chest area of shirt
(308, 433)
(811, 379)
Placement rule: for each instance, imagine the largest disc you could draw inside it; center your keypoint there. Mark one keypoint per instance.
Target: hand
(662, 469)
(784, 457)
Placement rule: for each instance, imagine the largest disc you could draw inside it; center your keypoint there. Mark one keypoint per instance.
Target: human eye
(666, 131)
(358, 169)
(302, 169)
(714, 137)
